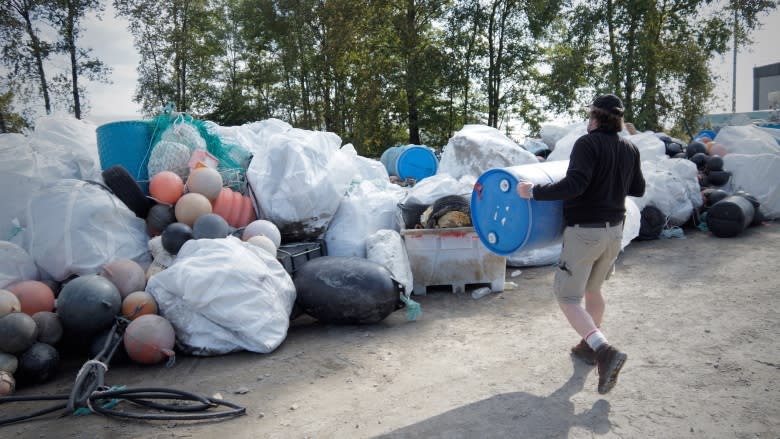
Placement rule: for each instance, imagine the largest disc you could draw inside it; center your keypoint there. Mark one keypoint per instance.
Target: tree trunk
(37, 53)
(70, 42)
(410, 43)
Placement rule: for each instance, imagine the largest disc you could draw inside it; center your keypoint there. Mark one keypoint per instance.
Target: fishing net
(178, 136)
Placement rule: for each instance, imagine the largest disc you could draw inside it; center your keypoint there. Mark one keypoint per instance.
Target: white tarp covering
(76, 227)
(299, 180)
(225, 295)
(758, 175)
(476, 148)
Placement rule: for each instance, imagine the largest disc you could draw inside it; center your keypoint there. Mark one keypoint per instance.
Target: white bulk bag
(225, 295)
(76, 227)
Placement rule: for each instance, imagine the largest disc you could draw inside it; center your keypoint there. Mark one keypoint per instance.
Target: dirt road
(699, 318)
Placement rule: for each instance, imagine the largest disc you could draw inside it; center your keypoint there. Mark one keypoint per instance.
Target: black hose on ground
(89, 394)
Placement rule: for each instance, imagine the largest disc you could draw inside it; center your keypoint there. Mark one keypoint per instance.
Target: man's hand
(524, 189)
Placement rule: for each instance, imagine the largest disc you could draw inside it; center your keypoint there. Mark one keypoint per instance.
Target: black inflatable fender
(127, 189)
(347, 290)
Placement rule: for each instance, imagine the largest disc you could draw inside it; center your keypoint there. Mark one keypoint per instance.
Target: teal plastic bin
(127, 143)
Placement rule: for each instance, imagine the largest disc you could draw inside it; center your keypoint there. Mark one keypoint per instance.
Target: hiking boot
(584, 352)
(609, 361)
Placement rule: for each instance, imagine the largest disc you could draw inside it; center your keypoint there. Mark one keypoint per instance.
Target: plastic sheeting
(757, 175)
(386, 247)
(364, 210)
(300, 180)
(17, 265)
(672, 185)
(476, 148)
(747, 139)
(59, 147)
(76, 227)
(224, 295)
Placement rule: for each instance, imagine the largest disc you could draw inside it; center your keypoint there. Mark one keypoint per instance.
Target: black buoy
(712, 196)
(88, 305)
(718, 178)
(694, 148)
(210, 226)
(714, 163)
(673, 148)
(174, 236)
(49, 327)
(38, 364)
(730, 216)
(699, 159)
(680, 155)
(160, 216)
(347, 290)
(17, 332)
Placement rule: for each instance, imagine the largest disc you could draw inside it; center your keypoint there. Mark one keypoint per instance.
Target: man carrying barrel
(603, 169)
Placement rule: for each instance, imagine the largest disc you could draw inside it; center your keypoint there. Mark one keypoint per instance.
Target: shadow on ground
(516, 415)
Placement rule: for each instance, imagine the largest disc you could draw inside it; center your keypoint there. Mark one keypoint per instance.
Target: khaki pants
(587, 259)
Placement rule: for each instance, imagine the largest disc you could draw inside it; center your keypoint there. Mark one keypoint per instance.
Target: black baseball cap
(609, 103)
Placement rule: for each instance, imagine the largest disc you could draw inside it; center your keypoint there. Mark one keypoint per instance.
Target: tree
(24, 52)
(10, 121)
(654, 55)
(66, 16)
(179, 52)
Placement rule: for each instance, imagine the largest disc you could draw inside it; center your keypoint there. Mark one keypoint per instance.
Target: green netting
(197, 134)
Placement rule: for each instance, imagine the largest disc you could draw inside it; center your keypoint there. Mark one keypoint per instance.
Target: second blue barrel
(506, 223)
(410, 161)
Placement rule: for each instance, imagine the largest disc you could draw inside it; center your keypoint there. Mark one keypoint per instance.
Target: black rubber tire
(126, 189)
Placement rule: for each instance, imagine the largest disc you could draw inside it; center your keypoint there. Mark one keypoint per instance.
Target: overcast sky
(113, 44)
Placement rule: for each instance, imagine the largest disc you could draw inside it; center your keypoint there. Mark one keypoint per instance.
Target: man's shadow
(516, 415)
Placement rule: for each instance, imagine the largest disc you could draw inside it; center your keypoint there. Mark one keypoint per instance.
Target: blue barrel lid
(506, 223)
(500, 217)
(416, 161)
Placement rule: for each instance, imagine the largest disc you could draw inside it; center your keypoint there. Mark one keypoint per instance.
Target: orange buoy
(167, 187)
(126, 275)
(247, 214)
(221, 206)
(34, 296)
(715, 148)
(137, 304)
(235, 209)
(149, 339)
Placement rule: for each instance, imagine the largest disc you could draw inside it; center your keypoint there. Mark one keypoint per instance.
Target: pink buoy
(149, 339)
(34, 296)
(126, 274)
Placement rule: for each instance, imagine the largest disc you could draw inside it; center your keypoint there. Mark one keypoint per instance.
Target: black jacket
(603, 169)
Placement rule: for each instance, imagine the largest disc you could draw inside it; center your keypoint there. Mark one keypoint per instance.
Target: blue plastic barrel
(506, 223)
(705, 133)
(410, 161)
(127, 143)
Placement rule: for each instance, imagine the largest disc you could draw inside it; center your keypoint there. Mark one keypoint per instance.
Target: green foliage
(381, 73)
(10, 121)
